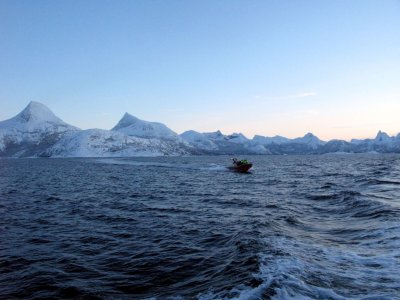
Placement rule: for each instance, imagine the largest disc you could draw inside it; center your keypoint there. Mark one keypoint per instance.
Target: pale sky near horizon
(257, 67)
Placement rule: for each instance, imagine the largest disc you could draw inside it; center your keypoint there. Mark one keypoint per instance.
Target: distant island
(38, 132)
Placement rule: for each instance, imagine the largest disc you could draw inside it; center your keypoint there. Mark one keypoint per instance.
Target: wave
(382, 182)
(292, 269)
(354, 204)
(181, 228)
(192, 166)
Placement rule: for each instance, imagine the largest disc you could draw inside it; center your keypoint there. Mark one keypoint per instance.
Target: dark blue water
(308, 227)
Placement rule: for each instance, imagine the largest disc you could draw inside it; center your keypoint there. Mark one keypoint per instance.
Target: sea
(296, 227)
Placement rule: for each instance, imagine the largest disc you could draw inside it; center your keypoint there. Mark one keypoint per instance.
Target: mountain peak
(127, 120)
(133, 126)
(129, 116)
(237, 138)
(215, 135)
(381, 134)
(237, 135)
(310, 139)
(382, 137)
(37, 112)
(309, 135)
(36, 104)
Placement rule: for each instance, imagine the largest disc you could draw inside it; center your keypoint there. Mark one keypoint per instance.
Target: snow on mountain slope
(107, 143)
(279, 144)
(310, 140)
(34, 117)
(31, 131)
(337, 146)
(217, 142)
(265, 140)
(133, 126)
(381, 143)
(198, 140)
(384, 138)
(380, 138)
(248, 145)
(37, 131)
(215, 136)
(237, 138)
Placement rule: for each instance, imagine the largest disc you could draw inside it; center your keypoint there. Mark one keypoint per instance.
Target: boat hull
(242, 168)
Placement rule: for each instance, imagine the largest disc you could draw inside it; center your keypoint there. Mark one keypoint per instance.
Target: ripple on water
(311, 227)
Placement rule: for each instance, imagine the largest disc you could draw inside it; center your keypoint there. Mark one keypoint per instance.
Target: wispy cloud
(288, 97)
(303, 95)
(295, 96)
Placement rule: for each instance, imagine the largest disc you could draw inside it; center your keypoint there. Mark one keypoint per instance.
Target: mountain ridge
(36, 132)
(133, 126)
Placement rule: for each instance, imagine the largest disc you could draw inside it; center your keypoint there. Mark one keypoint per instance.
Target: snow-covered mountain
(279, 142)
(383, 137)
(310, 140)
(380, 139)
(309, 143)
(237, 138)
(218, 143)
(132, 126)
(381, 143)
(108, 143)
(32, 131)
(265, 140)
(215, 136)
(37, 131)
(199, 140)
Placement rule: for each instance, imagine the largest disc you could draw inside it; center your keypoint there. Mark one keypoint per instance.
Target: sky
(270, 67)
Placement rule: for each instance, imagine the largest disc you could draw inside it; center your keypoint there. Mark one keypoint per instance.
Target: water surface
(317, 227)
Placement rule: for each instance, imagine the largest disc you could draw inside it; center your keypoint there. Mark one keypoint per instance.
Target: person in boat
(239, 162)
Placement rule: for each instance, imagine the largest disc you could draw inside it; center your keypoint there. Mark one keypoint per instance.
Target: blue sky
(257, 67)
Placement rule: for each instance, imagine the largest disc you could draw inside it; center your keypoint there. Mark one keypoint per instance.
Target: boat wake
(187, 166)
(290, 269)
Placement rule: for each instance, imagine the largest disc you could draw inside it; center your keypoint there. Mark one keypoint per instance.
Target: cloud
(288, 97)
(303, 95)
(295, 96)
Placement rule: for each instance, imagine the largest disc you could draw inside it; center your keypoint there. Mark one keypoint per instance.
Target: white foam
(301, 261)
(288, 267)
